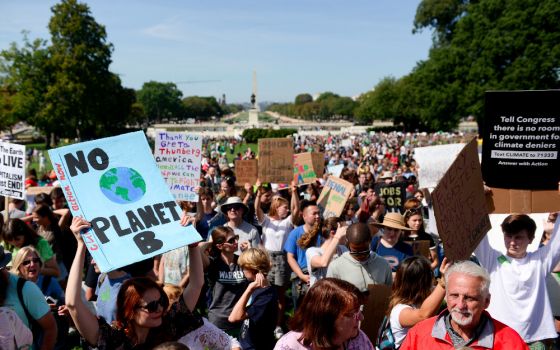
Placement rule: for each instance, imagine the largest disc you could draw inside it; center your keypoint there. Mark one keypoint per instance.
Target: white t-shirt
(399, 332)
(321, 272)
(519, 297)
(275, 232)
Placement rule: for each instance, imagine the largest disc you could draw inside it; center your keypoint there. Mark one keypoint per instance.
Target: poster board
(333, 197)
(461, 227)
(12, 173)
(393, 195)
(375, 309)
(504, 201)
(178, 156)
(433, 162)
(308, 167)
(276, 160)
(521, 139)
(246, 171)
(132, 213)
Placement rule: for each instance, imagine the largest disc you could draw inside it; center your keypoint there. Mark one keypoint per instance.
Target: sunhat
(393, 220)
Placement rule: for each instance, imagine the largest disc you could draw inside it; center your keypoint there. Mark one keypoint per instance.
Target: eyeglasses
(358, 315)
(233, 239)
(153, 306)
(359, 253)
(34, 260)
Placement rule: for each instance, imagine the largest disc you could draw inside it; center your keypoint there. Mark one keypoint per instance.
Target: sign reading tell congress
(115, 184)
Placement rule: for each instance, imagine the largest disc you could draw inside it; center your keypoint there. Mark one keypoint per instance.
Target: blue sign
(115, 184)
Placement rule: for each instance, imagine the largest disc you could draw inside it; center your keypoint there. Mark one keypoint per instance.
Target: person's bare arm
(196, 277)
(296, 269)
(48, 325)
(319, 261)
(294, 204)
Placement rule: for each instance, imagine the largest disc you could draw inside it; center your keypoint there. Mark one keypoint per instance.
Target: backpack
(13, 333)
(385, 338)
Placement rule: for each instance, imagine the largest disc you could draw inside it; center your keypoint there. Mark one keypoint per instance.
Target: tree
(201, 107)
(161, 101)
(303, 99)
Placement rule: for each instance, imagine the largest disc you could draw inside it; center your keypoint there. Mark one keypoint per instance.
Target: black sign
(393, 194)
(521, 139)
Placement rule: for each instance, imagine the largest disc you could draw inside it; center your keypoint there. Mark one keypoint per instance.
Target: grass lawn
(34, 163)
(241, 148)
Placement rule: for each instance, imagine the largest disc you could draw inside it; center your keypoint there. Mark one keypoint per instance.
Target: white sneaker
(278, 332)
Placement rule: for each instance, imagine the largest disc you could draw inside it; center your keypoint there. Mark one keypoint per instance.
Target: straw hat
(393, 220)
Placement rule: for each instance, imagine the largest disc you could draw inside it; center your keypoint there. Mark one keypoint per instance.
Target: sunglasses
(27, 262)
(235, 207)
(359, 253)
(233, 239)
(153, 306)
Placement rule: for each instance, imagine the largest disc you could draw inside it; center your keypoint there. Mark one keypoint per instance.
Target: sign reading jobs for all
(115, 184)
(333, 197)
(522, 140)
(178, 156)
(12, 173)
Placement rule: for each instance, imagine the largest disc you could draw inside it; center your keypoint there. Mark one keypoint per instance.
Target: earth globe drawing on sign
(122, 185)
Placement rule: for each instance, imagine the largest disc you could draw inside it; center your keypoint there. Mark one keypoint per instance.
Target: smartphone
(51, 300)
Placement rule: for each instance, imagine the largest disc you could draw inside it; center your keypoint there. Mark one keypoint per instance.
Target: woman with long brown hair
(413, 219)
(142, 319)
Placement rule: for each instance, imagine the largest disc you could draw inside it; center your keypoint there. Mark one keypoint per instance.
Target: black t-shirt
(257, 331)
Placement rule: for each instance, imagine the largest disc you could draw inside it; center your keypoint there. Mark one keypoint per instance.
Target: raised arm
(239, 311)
(294, 203)
(84, 319)
(319, 261)
(196, 277)
(65, 216)
(258, 210)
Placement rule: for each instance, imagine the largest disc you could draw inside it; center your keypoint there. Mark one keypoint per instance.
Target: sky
(210, 48)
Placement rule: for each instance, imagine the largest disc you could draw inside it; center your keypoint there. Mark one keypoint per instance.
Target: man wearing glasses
(360, 266)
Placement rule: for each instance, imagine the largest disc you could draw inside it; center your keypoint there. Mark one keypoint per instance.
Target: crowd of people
(272, 273)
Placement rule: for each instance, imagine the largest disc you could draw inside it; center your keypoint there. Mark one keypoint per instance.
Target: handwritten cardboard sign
(336, 170)
(246, 171)
(115, 184)
(178, 156)
(393, 195)
(12, 175)
(276, 160)
(460, 205)
(375, 309)
(308, 167)
(333, 197)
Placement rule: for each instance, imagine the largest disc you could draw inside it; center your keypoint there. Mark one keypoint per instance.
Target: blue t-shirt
(257, 331)
(292, 247)
(106, 304)
(394, 255)
(32, 297)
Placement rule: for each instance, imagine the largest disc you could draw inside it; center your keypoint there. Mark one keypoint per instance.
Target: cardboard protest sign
(460, 206)
(375, 309)
(505, 201)
(433, 162)
(276, 160)
(246, 171)
(521, 140)
(333, 197)
(12, 175)
(133, 215)
(178, 156)
(308, 167)
(335, 170)
(393, 195)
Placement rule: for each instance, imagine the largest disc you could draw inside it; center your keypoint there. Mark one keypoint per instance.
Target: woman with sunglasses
(328, 318)
(226, 280)
(17, 234)
(413, 219)
(142, 320)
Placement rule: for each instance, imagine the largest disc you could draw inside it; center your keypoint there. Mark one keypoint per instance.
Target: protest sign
(335, 170)
(178, 156)
(521, 140)
(460, 206)
(375, 309)
(501, 200)
(333, 197)
(393, 195)
(346, 143)
(246, 171)
(308, 167)
(276, 162)
(12, 175)
(433, 162)
(115, 184)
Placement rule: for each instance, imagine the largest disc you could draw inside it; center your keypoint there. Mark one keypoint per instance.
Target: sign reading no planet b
(12, 173)
(521, 140)
(115, 184)
(178, 156)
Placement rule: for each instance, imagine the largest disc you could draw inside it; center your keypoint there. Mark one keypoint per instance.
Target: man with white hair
(465, 323)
